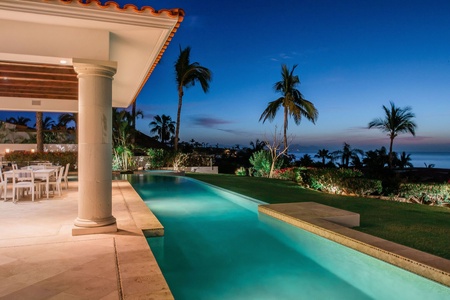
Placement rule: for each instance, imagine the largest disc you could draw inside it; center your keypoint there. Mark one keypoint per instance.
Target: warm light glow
(7, 150)
(32, 150)
(63, 61)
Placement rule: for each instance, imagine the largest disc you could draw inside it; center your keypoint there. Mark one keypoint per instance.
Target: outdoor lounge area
(85, 58)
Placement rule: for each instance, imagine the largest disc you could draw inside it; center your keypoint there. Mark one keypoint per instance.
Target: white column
(94, 146)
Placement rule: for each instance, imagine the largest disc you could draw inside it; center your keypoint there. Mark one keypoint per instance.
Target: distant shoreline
(439, 160)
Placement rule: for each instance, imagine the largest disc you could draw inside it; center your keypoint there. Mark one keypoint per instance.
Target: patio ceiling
(33, 80)
(37, 35)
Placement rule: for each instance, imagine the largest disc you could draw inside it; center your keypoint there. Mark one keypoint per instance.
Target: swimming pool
(216, 246)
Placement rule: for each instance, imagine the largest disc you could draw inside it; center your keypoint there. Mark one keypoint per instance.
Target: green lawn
(426, 228)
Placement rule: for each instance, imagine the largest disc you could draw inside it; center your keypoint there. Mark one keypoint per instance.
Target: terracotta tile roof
(114, 6)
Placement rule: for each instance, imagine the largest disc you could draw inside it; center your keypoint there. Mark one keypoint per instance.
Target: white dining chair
(66, 173)
(24, 183)
(55, 182)
(3, 185)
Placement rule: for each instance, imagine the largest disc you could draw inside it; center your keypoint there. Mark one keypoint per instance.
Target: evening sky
(353, 57)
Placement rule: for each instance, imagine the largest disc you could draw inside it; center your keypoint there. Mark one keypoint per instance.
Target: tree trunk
(39, 132)
(285, 128)
(180, 103)
(390, 152)
(133, 120)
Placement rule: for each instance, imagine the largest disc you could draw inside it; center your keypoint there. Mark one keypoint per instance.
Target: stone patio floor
(40, 259)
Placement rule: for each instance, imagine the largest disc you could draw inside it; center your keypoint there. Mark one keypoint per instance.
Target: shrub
(261, 162)
(285, 174)
(24, 158)
(436, 194)
(241, 172)
(338, 181)
(156, 158)
(362, 186)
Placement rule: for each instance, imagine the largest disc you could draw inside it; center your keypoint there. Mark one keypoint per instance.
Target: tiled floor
(40, 259)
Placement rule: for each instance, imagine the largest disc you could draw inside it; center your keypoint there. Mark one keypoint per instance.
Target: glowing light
(7, 150)
(63, 61)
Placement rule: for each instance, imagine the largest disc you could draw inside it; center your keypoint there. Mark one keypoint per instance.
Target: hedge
(339, 181)
(426, 193)
(24, 158)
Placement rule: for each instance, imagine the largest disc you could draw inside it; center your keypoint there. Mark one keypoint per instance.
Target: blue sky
(353, 57)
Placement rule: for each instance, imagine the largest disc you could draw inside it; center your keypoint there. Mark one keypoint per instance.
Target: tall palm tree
(163, 126)
(323, 154)
(187, 74)
(291, 100)
(396, 120)
(39, 131)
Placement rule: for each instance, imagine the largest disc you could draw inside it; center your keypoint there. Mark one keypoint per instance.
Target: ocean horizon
(440, 160)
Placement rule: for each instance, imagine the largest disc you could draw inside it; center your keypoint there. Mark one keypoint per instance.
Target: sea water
(217, 246)
(440, 160)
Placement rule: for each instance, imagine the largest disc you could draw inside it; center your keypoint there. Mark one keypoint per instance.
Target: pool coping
(304, 215)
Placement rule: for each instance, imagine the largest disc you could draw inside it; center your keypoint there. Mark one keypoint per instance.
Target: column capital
(87, 67)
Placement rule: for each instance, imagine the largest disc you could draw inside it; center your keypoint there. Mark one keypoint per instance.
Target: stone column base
(76, 230)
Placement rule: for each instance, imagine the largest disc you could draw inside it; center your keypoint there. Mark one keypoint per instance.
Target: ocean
(440, 160)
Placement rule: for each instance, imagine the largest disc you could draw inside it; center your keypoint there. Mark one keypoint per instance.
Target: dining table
(40, 173)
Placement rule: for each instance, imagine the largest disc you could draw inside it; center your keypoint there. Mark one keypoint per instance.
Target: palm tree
(39, 132)
(376, 159)
(66, 118)
(187, 74)
(396, 120)
(163, 126)
(19, 120)
(306, 161)
(257, 145)
(48, 123)
(323, 154)
(291, 100)
(404, 161)
(347, 154)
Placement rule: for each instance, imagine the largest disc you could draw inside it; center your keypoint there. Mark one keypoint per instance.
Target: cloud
(233, 131)
(283, 56)
(193, 21)
(209, 122)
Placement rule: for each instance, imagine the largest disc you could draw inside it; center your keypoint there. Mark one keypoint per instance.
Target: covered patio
(81, 57)
(41, 259)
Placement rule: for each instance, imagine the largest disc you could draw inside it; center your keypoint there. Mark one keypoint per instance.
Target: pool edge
(410, 259)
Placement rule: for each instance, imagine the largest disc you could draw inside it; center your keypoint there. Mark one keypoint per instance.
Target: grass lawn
(422, 227)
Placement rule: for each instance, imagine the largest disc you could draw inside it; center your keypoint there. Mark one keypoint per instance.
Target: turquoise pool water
(216, 246)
